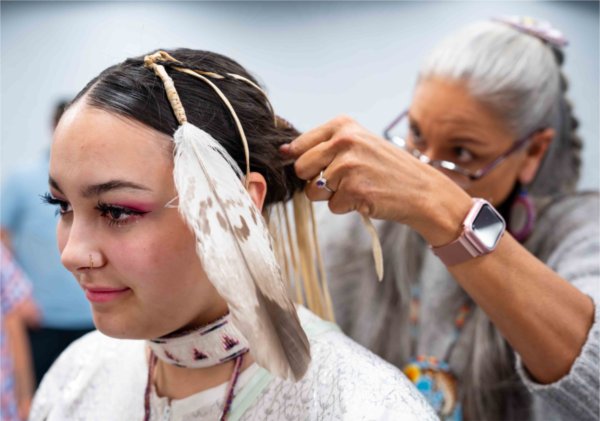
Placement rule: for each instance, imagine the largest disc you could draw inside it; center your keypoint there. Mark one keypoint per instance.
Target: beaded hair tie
(538, 28)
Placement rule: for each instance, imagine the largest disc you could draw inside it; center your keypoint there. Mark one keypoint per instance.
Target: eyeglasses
(399, 133)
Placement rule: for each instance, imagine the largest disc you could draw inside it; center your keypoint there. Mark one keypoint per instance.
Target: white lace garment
(101, 378)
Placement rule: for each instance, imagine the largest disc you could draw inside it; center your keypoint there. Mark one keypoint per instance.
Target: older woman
(490, 293)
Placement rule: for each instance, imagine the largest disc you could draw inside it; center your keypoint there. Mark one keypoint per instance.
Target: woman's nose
(433, 153)
(80, 251)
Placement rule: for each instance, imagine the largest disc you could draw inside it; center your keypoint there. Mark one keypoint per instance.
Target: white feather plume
(234, 245)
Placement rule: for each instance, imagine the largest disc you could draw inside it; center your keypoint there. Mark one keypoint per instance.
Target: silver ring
(322, 183)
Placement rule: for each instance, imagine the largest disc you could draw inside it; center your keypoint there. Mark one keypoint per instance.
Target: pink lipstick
(104, 295)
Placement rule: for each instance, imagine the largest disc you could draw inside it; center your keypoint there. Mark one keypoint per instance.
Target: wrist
(442, 217)
(482, 229)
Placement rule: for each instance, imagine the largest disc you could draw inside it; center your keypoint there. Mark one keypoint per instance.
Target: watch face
(488, 226)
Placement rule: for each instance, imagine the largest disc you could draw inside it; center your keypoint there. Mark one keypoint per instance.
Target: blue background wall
(317, 59)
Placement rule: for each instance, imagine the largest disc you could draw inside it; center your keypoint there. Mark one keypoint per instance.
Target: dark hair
(134, 91)
(59, 110)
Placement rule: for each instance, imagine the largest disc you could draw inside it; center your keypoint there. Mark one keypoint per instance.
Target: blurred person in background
(490, 294)
(59, 313)
(16, 369)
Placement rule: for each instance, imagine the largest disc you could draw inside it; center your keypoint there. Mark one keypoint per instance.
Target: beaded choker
(209, 345)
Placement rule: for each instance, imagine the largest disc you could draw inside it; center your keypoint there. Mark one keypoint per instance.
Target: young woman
(168, 345)
(490, 325)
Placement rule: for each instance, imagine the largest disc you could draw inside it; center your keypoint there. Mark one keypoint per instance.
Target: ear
(534, 155)
(257, 188)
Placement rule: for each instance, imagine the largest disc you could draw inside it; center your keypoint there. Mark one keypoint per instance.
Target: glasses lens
(398, 133)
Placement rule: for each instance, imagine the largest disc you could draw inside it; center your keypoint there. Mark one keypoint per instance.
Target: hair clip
(539, 29)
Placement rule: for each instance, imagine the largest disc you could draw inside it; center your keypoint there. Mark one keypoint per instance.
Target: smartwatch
(482, 229)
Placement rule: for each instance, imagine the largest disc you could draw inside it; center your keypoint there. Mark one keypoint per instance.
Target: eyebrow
(98, 189)
(456, 139)
(468, 140)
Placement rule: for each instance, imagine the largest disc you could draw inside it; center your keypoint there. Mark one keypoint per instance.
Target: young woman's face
(447, 123)
(134, 258)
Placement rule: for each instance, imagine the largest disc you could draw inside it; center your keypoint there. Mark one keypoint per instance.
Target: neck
(179, 382)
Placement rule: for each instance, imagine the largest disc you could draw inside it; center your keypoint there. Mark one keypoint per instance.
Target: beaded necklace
(432, 376)
(228, 396)
(212, 344)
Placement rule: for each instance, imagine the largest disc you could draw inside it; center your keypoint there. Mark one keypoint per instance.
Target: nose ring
(91, 262)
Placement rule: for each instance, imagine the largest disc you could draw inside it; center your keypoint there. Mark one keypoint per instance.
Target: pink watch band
(456, 252)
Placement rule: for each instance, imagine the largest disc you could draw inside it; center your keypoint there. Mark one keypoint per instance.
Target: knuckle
(344, 139)
(348, 164)
(342, 120)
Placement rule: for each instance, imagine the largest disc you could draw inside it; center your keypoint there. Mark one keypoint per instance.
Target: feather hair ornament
(232, 239)
(295, 241)
(375, 243)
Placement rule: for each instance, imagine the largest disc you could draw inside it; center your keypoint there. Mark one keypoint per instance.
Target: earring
(522, 215)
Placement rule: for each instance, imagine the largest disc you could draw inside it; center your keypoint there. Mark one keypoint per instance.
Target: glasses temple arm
(515, 147)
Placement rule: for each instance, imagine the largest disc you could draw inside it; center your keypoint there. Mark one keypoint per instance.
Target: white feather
(234, 246)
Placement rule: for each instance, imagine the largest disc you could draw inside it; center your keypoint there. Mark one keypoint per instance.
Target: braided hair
(564, 155)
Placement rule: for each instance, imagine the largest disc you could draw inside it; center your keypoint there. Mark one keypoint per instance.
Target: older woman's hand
(376, 178)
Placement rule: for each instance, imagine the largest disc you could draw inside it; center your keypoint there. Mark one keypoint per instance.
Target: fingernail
(285, 149)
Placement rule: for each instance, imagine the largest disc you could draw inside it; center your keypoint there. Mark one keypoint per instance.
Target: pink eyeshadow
(134, 206)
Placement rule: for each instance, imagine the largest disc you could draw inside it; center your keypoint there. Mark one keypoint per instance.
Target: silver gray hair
(518, 76)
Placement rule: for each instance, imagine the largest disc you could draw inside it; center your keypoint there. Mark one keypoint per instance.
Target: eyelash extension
(112, 213)
(60, 205)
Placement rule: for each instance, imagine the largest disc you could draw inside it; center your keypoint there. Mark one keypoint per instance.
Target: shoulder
(91, 353)
(571, 207)
(92, 369)
(95, 348)
(344, 381)
(565, 220)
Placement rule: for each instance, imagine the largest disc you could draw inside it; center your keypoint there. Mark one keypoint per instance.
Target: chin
(117, 332)
(118, 328)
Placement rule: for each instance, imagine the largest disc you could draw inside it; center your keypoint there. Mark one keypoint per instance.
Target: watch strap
(456, 252)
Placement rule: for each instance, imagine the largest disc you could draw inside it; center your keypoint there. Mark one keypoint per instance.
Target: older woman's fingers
(306, 141)
(340, 202)
(313, 137)
(309, 164)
